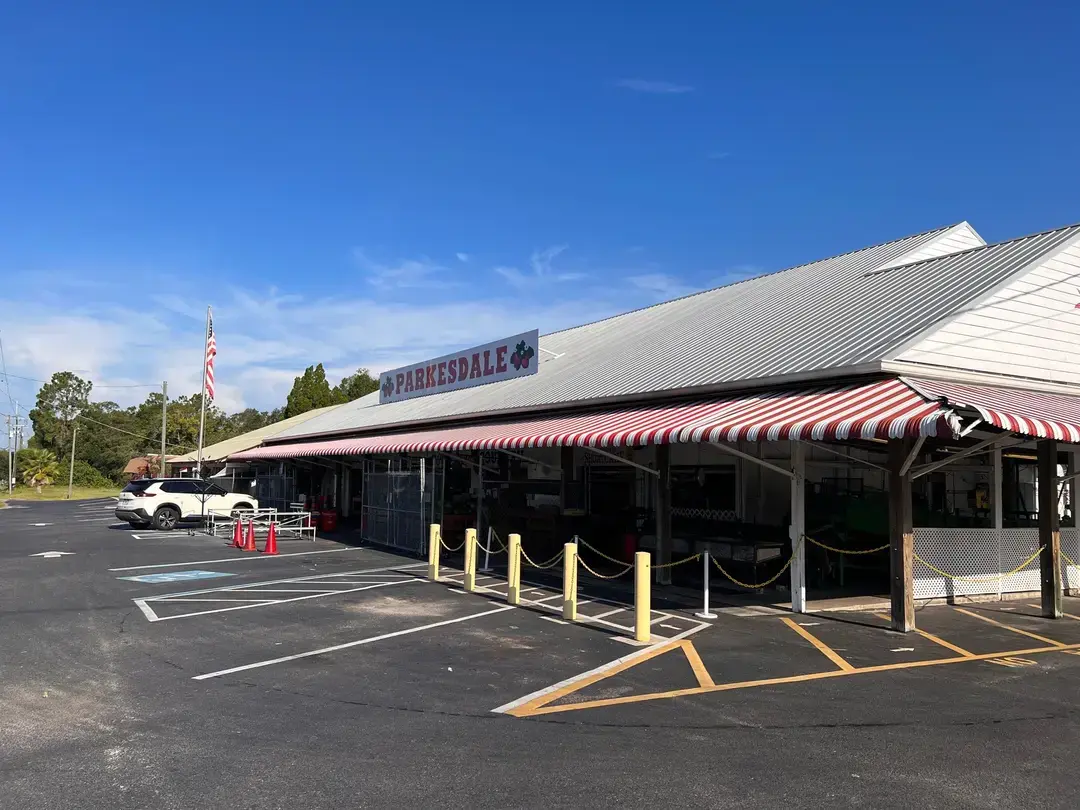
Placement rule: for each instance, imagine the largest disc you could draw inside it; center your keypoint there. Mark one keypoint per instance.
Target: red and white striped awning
(1043, 416)
(878, 410)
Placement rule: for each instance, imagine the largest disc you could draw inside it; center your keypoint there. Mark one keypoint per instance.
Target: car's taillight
(144, 494)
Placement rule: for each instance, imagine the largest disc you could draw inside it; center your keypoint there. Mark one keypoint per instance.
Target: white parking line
(346, 646)
(235, 559)
(268, 603)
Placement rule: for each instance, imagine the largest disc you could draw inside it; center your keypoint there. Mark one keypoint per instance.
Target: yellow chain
(992, 578)
(846, 550)
(753, 586)
(769, 581)
(585, 565)
(599, 552)
(677, 562)
(456, 548)
(549, 564)
(1069, 560)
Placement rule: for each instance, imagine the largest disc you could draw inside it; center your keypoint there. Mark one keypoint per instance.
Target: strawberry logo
(521, 356)
(388, 386)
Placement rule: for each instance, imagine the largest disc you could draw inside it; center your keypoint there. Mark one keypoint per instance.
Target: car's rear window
(138, 486)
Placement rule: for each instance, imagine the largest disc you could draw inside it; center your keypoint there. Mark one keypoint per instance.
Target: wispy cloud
(403, 273)
(661, 285)
(651, 86)
(718, 155)
(462, 257)
(541, 269)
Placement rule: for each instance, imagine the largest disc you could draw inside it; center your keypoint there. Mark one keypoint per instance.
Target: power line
(35, 379)
(7, 383)
(128, 432)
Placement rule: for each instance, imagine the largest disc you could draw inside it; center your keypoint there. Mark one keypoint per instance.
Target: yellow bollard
(513, 570)
(434, 541)
(569, 582)
(642, 597)
(470, 560)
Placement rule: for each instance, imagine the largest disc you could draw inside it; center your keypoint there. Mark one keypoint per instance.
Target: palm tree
(39, 468)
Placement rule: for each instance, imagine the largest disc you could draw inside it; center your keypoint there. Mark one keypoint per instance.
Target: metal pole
(202, 396)
(705, 612)
(71, 468)
(164, 408)
(487, 553)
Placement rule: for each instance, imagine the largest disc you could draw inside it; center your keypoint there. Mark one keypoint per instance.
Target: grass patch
(59, 493)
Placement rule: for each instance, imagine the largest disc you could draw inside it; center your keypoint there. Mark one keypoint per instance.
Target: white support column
(798, 527)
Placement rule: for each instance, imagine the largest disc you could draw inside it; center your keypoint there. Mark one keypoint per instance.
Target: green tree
(39, 467)
(310, 390)
(59, 402)
(105, 441)
(355, 386)
(247, 420)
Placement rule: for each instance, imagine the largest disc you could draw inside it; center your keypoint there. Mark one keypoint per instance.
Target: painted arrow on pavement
(48, 555)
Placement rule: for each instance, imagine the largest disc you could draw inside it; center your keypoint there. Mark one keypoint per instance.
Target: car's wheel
(166, 518)
(240, 507)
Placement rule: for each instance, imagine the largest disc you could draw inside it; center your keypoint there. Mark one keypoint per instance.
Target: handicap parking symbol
(177, 576)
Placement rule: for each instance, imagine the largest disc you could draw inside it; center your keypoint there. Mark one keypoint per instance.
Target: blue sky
(367, 184)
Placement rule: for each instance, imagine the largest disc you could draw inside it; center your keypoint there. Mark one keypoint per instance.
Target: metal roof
(837, 316)
(253, 438)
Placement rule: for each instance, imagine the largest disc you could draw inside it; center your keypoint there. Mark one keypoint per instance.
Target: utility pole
(9, 457)
(71, 469)
(15, 454)
(164, 407)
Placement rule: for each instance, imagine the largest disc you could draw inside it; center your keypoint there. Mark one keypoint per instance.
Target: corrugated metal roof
(253, 438)
(879, 410)
(835, 315)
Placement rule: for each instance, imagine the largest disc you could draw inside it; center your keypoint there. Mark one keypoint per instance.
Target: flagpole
(202, 396)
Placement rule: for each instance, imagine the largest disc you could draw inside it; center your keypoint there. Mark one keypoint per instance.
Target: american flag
(211, 352)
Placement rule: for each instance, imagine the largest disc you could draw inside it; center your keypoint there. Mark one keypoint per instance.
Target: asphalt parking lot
(168, 670)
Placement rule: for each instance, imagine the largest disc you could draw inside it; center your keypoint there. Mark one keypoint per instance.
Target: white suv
(164, 502)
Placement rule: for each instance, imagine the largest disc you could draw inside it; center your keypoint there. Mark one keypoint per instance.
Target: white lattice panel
(1016, 546)
(967, 552)
(979, 554)
(1070, 547)
(709, 514)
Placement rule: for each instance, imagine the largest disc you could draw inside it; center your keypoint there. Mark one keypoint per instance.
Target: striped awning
(878, 410)
(1029, 413)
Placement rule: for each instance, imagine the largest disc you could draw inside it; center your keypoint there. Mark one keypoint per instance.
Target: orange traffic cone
(250, 544)
(238, 535)
(271, 540)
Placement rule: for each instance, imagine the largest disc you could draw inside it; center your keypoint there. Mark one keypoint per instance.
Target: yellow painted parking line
(931, 637)
(822, 647)
(1010, 627)
(696, 664)
(814, 676)
(1066, 615)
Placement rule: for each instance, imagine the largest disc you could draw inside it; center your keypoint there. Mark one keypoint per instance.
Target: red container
(328, 521)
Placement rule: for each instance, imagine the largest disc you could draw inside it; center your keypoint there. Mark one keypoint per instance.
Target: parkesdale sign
(493, 362)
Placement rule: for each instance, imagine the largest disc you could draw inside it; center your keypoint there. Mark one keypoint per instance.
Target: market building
(915, 400)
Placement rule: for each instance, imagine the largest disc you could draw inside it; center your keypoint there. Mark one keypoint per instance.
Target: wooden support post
(1049, 530)
(663, 513)
(901, 538)
(642, 597)
(469, 580)
(434, 541)
(513, 570)
(569, 582)
(798, 527)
